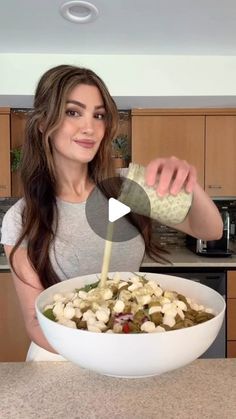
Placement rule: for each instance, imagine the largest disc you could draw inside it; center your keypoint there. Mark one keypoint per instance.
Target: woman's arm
(28, 287)
(203, 220)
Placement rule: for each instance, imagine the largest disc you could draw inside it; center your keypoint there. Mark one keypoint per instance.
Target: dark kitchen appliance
(213, 278)
(214, 248)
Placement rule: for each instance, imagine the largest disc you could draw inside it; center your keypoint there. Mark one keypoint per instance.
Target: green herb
(49, 314)
(88, 287)
(140, 276)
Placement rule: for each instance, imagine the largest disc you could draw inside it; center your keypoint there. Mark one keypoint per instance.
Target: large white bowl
(134, 355)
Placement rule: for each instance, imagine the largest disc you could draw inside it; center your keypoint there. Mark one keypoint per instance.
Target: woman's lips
(85, 144)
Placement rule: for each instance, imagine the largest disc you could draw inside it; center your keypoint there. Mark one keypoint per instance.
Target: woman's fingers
(191, 180)
(170, 175)
(152, 170)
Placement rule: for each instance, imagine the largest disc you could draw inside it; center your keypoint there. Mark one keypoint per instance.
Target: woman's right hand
(171, 175)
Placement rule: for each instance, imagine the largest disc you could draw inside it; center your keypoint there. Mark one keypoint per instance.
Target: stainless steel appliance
(217, 248)
(214, 248)
(213, 279)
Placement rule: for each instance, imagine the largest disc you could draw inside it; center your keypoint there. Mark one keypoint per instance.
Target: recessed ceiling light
(79, 11)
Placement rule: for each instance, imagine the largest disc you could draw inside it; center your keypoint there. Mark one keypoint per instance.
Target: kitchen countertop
(203, 389)
(178, 257)
(183, 257)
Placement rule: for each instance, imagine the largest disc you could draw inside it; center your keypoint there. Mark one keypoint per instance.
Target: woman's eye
(71, 112)
(100, 116)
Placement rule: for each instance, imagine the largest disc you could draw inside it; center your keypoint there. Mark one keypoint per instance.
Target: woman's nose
(87, 126)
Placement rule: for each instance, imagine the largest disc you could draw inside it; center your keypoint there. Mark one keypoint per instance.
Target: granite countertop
(203, 389)
(178, 257)
(183, 257)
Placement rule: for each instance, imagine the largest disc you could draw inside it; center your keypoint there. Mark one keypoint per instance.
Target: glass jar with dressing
(169, 209)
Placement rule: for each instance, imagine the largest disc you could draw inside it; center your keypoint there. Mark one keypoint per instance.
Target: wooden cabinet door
(220, 171)
(169, 135)
(231, 314)
(231, 349)
(231, 319)
(14, 341)
(5, 173)
(231, 285)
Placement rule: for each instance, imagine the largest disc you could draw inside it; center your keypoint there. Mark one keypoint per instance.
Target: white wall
(129, 75)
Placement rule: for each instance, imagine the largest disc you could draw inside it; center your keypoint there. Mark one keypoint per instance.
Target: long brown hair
(40, 216)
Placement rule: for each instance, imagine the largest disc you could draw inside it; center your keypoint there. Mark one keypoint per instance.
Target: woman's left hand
(170, 175)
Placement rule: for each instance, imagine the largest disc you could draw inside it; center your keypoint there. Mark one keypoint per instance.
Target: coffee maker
(217, 248)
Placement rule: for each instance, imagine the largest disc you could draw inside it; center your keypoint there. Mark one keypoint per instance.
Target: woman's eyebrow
(82, 105)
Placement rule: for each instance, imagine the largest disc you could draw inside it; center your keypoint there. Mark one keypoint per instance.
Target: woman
(66, 157)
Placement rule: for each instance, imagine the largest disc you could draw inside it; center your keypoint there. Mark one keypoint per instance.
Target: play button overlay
(116, 210)
(100, 210)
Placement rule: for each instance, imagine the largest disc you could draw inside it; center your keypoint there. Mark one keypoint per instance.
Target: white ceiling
(198, 27)
(160, 27)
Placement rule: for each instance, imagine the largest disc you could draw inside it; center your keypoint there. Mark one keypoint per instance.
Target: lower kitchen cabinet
(231, 349)
(14, 341)
(231, 314)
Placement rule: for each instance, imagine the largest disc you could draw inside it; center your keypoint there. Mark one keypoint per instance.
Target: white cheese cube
(69, 312)
(180, 313)
(58, 309)
(168, 320)
(154, 309)
(88, 314)
(83, 295)
(119, 306)
(160, 329)
(76, 302)
(144, 299)
(107, 294)
(209, 310)
(78, 313)
(93, 328)
(103, 314)
(181, 304)
(135, 286)
(148, 327)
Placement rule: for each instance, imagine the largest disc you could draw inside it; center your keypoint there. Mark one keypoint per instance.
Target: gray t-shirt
(77, 249)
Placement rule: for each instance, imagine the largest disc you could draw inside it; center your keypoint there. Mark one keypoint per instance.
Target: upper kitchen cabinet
(220, 170)
(5, 173)
(155, 134)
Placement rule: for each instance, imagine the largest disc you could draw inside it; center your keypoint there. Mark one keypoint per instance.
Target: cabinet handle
(214, 186)
(21, 110)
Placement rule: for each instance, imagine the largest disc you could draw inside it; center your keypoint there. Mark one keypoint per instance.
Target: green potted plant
(16, 156)
(120, 150)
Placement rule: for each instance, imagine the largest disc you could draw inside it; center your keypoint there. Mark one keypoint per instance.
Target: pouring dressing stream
(107, 254)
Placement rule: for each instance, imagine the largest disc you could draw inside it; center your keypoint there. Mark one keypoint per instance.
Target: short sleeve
(12, 224)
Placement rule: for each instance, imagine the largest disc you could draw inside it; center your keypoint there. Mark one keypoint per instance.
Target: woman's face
(79, 136)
